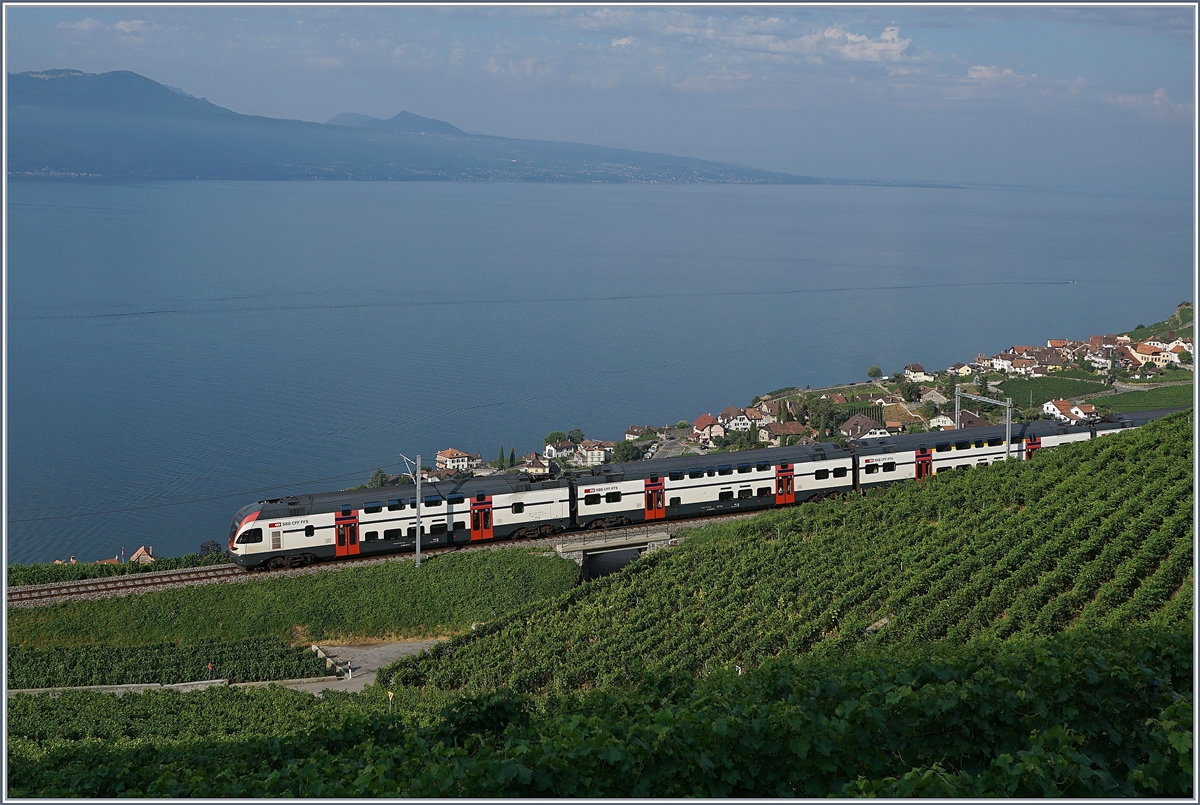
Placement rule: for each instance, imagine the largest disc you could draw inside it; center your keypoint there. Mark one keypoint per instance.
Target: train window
(612, 497)
(980, 442)
(372, 507)
(653, 479)
(676, 475)
(963, 445)
(784, 465)
(517, 508)
(432, 501)
(353, 529)
(345, 511)
(395, 505)
(370, 536)
(995, 441)
(310, 531)
(481, 496)
(726, 495)
(696, 472)
(963, 467)
(744, 468)
(839, 472)
(455, 498)
(764, 491)
(745, 493)
(889, 466)
(763, 466)
(249, 537)
(711, 471)
(871, 469)
(437, 528)
(725, 469)
(675, 502)
(1013, 440)
(942, 447)
(412, 531)
(276, 540)
(460, 525)
(591, 500)
(821, 475)
(393, 533)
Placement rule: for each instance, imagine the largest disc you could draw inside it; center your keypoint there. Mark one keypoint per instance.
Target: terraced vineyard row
(1093, 534)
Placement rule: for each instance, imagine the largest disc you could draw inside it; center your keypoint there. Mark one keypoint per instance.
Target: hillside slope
(1096, 534)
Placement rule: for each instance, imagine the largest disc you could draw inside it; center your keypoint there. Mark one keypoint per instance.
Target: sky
(1056, 96)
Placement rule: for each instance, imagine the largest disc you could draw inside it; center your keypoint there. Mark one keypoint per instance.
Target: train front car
(245, 532)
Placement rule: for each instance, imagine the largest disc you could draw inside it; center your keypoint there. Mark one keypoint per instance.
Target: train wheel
(277, 563)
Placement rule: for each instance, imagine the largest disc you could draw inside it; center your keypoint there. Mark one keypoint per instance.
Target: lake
(179, 349)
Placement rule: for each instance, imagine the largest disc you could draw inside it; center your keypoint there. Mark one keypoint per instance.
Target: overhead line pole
(1007, 404)
(416, 476)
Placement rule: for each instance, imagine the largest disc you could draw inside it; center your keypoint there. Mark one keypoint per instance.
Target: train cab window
(763, 466)
(764, 491)
(432, 501)
(839, 472)
(673, 502)
(995, 441)
(250, 537)
(310, 531)
(455, 498)
(725, 469)
(517, 508)
(676, 475)
(395, 505)
(745, 493)
(696, 472)
(871, 469)
(821, 475)
(370, 536)
(942, 447)
(437, 528)
(963, 445)
(889, 466)
(727, 495)
(591, 500)
(346, 511)
(744, 468)
(612, 497)
(711, 471)
(372, 507)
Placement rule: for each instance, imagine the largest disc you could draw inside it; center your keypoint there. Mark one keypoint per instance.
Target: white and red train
(302, 529)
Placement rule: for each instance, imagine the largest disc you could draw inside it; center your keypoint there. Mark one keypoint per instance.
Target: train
(299, 530)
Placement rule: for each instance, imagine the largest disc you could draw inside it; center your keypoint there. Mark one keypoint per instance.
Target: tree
(576, 435)
(1185, 357)
(929, 409)
(874, 373)
(500, 459)
(627, 451)
(683, 423)
(377, 479)
(981, 382)
(554, 436)
(512, 457)
(911, 392)
(210, 547)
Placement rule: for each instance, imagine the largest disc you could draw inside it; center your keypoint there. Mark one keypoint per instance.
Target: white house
(917, 374)
(1066, 411)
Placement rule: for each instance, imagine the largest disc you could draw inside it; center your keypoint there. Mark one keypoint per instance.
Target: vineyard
(1089, 535)
(446, 594)
(48, 573)
(1085, 714)
(165, 664)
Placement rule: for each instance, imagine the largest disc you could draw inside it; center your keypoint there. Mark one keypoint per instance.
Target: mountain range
(121, 125)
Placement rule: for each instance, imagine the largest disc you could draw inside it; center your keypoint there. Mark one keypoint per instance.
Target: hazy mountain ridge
(69, 124)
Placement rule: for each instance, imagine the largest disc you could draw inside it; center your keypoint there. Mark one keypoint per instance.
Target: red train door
(654, 498)
(346, 540)
(924, 463)
(785, 484)
(1032, 445)
(481, 517)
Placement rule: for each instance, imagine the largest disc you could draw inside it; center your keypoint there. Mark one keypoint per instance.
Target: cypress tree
(512, 457)
(500, 460)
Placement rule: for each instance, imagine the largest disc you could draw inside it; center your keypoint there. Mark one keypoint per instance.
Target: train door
(1032, 445)
(924, 462)
(481, 517)
(785, 484)
(346, 533)
(655, 507)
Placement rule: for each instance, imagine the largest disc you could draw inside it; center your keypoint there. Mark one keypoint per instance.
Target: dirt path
(365, 660)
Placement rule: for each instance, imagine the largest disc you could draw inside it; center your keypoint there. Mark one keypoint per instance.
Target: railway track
(111, 586)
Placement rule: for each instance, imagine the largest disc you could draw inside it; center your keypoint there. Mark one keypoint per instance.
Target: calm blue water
(179, 349)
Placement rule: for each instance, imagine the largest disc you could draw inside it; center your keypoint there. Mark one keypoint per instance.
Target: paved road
(365, 660)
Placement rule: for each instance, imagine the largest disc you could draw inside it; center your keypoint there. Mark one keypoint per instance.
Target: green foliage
(1092, 533)
(576, 435)
(627, 451)
(446, 594)
(1149, 400)
(683, 423)
(874, 373)
(1044, 389)
(554, 436)
(911, 392)
(377, 478)
(1083, 715)
(166, 663)
(48, 573)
